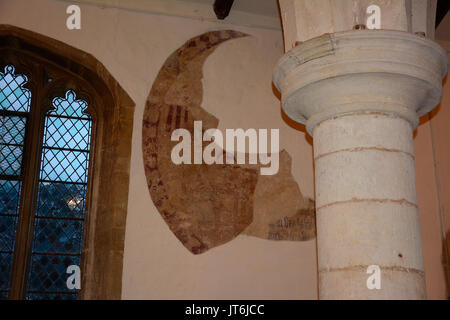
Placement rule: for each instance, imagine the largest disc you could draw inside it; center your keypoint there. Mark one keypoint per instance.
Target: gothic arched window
(65, 148)
(55, 203)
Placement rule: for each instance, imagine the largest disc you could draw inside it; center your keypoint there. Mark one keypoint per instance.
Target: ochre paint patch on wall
(208, 205)
(280, 212)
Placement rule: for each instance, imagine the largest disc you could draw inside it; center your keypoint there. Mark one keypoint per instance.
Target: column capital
(366, 71)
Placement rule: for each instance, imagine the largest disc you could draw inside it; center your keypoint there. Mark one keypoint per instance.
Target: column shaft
(367, 208)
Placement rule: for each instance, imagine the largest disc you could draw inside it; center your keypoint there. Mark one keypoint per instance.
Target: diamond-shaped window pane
(5, 270)
(58, 236)
(13, 96)
(9, 197)
(10, 159)
(48, 273)
(61, 200)
(12, 137)
(64, 166)
(70, 106)
(67, 133)
(12, 130)
(8, 225)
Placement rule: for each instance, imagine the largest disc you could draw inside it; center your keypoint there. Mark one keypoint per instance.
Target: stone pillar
(367, 207)
(360, 94)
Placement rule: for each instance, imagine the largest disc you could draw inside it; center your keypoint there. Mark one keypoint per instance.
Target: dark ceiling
(443, 6)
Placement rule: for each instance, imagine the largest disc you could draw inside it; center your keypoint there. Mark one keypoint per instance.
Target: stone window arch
(66, 70)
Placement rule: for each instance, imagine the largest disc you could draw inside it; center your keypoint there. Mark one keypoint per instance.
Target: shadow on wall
(291, 123)
(430, 115)
(436, 110)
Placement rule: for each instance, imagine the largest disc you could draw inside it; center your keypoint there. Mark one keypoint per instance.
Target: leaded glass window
(59, 218)
(41, 219)
(15, 103)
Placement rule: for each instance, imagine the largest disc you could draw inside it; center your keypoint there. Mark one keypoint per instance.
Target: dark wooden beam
(443, 6)
(222, 8)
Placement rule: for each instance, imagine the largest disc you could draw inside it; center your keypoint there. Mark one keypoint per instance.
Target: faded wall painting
(206, 205)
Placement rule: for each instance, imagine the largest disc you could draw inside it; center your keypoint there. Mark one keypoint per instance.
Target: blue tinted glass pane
(64, 166)
(13, 96)
(63, 200)
(9, 196)
(48, 273)
(5, 270)
(70, 106)
(10, 159)
(12, 130)
(8, 225)
(12, 137)
(67, 133)
(58, 236)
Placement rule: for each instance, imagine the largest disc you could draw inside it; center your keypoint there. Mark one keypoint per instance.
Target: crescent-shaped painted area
(204, 205)
(208, 205)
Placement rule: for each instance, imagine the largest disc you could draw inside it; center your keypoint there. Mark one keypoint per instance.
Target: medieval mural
(206, 205)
